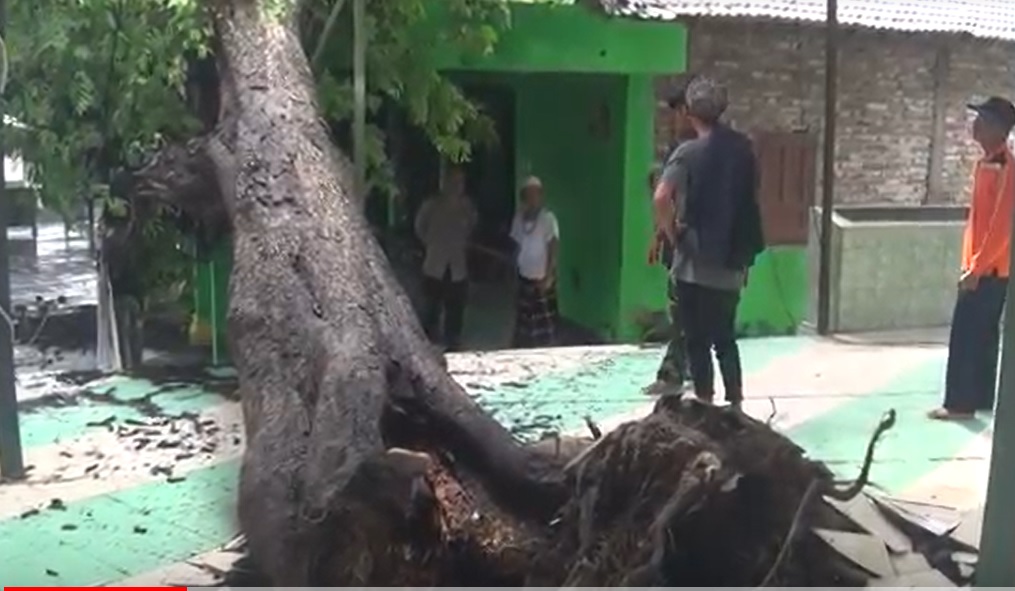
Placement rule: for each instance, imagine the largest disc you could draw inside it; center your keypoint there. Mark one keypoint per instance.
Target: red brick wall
(775, 75)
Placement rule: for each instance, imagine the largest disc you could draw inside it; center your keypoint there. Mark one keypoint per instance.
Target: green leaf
(82, 92)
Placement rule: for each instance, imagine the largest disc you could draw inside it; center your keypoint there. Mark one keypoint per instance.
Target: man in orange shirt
(971, 381)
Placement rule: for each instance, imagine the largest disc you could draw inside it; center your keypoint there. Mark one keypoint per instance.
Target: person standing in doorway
(971, 380)
(674, 370)
(706, 203)
(444, 225)
(537, 237)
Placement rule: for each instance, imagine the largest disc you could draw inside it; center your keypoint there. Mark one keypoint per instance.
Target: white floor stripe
(960, 482)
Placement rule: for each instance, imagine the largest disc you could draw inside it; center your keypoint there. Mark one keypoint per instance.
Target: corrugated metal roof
(991, 19)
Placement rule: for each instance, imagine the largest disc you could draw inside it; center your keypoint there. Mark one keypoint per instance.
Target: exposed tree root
(692, 495)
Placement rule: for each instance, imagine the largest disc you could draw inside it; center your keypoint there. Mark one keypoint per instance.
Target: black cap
(679, 97)
(998, 110)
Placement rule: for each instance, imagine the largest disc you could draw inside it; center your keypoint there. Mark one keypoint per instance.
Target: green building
(573, 91)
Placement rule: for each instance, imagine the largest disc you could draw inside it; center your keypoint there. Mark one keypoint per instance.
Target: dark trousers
(129, 331)
(448, 297)
(674, 369)
(970, 384)
(709, 319)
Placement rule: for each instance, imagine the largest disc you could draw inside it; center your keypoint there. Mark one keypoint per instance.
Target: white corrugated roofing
(991, 19)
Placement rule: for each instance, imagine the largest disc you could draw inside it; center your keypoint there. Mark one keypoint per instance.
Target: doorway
(490, 182)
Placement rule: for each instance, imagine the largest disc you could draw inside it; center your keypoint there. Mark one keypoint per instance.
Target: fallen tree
(366, 464)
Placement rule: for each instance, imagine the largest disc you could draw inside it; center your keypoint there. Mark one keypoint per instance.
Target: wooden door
(788, 170)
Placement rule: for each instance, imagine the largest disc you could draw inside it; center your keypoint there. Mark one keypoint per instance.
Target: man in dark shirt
(673, 371)
(706, 202)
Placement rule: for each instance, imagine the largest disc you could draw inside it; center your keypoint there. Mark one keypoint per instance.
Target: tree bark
(328, 350)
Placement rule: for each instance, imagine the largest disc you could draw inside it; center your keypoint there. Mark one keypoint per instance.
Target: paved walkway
(134, 482)
(58, 266)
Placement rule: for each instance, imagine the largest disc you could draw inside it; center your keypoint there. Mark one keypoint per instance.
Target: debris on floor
(903, 543)
(969, 529)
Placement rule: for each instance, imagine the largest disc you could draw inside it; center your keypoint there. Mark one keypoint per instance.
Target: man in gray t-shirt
(673, 371)
(687, 157)
(708, 292)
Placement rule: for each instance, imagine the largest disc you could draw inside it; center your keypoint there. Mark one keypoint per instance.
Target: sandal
(943, 414)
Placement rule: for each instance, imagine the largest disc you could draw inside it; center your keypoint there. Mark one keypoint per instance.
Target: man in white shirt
(537, 236)
(444, 224)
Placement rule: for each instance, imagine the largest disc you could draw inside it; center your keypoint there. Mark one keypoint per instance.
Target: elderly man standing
(971, 381)
(536, 235)
(706, 203)
(444, 225)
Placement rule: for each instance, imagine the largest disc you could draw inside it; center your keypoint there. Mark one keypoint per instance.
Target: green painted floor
(121, 534)
(911, 450)
(135, 530)
(602, 390)
(58, 423)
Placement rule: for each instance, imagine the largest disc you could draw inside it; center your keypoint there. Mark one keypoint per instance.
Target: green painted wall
(570, 133)
(567, 38)
(642, 286)
(548, 37)
(775, 300)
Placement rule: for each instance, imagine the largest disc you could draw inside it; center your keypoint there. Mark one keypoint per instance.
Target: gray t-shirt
(680, 165)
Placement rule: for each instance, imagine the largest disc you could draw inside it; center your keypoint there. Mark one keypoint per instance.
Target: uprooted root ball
(693, 494)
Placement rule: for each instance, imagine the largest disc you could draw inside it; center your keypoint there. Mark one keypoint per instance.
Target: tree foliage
(98, 84)
(400, 72)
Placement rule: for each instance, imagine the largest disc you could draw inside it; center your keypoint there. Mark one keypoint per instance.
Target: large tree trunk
(366, 464)
(334, 369)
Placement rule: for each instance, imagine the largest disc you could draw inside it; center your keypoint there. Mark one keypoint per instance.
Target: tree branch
(322, 40)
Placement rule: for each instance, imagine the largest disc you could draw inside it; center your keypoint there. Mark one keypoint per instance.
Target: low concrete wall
(892, 267)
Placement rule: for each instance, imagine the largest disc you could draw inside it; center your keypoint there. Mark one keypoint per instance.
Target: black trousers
(971, 381)
(709, 322)
(448, 297)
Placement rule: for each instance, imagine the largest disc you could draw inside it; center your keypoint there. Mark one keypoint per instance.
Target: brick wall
(775, 74)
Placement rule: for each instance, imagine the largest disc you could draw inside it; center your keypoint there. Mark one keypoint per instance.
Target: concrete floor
(57, 265)
(125, 518)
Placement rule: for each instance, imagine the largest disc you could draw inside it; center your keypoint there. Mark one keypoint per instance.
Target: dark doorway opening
(490, 182)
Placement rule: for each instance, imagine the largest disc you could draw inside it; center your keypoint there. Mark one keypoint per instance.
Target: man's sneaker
(663, 387)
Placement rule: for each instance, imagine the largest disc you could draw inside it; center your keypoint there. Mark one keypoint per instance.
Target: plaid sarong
(536, 315)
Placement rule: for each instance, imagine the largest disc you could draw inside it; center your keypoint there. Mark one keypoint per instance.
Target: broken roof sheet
(989, 19)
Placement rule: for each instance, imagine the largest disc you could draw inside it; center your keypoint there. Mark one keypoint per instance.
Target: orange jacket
(986, 244)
